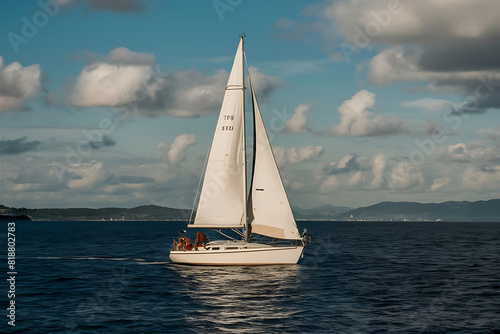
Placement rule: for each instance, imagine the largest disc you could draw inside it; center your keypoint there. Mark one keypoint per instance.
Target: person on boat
(185, 243)
(201, 240)
(189, 245)
(182, 243)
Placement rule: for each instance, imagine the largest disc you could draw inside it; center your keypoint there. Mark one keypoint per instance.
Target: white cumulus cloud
(481, 179)
(439, 183)
(329, 184)
(298, 122)
(264, 84)
(356, 120)
(404, 176)
(122, 55)
(89, 175)
(176, 152)
(297, 155)
(474, 151)
(18, 83)
(354, 172)
(103, 84)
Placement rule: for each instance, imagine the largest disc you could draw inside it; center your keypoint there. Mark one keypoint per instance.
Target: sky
(114, 102)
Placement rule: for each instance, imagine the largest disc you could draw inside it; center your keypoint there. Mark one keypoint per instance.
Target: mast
(250, 216)
(246, 237)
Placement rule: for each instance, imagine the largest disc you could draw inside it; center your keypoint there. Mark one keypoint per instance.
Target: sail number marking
(228, 127)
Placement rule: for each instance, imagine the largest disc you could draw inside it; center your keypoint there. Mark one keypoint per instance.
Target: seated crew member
(200, 241)
(189, 245)
(185, 243)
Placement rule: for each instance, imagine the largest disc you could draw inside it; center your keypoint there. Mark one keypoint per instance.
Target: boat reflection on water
(240, 299)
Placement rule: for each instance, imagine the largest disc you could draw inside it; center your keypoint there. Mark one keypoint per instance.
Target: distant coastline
(451, 211)
(14, 217)
(140, 213)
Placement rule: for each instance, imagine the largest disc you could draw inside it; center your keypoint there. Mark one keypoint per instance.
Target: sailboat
(223, 200)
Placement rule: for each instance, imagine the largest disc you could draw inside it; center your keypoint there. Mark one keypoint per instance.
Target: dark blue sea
(356, 277)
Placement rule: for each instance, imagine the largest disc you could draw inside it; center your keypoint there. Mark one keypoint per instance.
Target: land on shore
(455, 211)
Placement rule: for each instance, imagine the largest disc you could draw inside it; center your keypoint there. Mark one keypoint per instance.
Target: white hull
(254, 254)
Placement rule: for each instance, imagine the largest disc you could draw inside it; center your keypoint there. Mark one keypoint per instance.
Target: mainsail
(272, 215)
(223, 197)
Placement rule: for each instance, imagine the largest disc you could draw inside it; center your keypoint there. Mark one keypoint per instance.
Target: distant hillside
(447, 211)
(325, 212)
(145, 212)
(399, 211)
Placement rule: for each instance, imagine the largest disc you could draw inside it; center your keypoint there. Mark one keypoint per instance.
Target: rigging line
(248, 70)
(227, 236)
(198, 194)
(237, 231)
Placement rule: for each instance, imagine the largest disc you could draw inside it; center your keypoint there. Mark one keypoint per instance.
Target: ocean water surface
(356, 277)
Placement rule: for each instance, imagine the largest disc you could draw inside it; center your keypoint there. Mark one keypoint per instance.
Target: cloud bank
(451, 45)
(362, 172)
(125, 78)
(474, 151)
